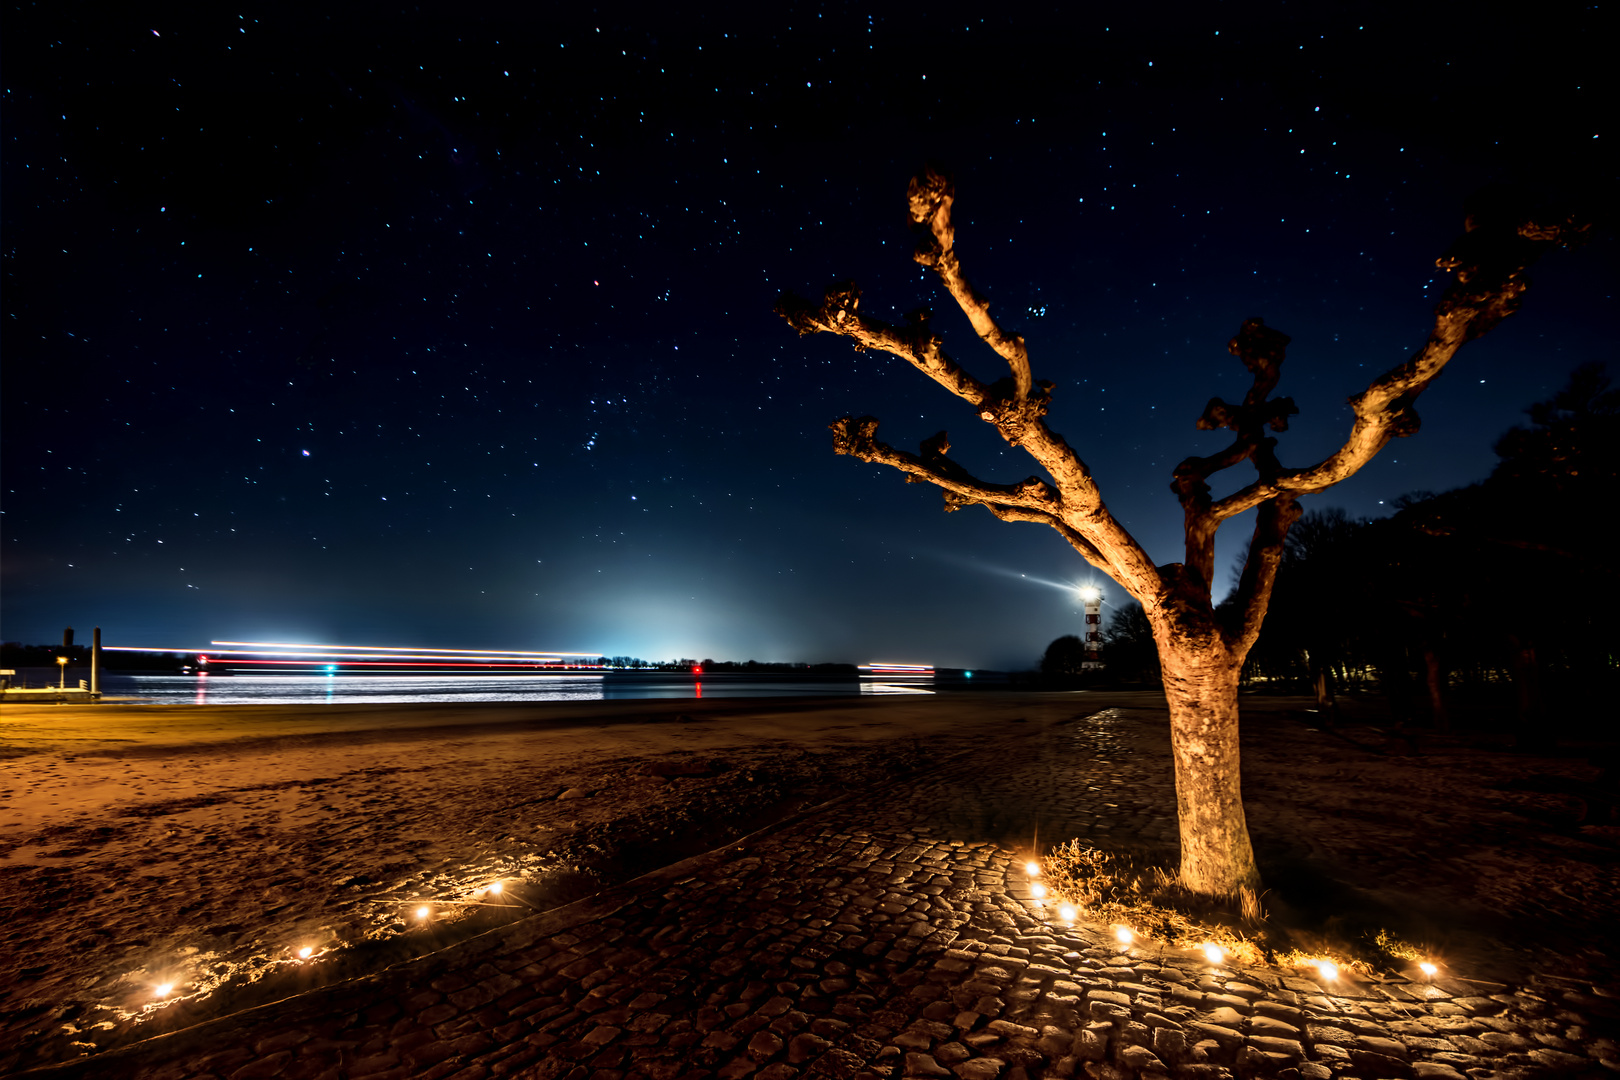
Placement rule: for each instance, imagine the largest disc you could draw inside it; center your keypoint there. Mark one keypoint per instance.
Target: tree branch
(1489, 264)
(1079, 543)
(838, 314)
(1015, 406)
(1260, 573)
(857, 437)
(1262, 350)
(929, 198)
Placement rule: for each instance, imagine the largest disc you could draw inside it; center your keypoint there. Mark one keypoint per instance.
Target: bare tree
(1201, 651)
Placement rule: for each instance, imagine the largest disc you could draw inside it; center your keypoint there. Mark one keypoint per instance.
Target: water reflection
(348, 689)
(337, 688)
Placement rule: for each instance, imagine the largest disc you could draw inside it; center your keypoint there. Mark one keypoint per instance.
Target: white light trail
(392, 648)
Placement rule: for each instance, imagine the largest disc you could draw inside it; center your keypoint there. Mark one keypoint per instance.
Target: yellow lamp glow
(1214, 953)
(1037, 891)
(1428, 969)
(1067, 913)
(422, 912)
(1123, 933)
(162, 989)
(303, 954)
(497, 888)
(1327, 970)
(1032, 869)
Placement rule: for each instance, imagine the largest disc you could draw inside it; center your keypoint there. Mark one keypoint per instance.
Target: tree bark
(1201, 686)
(1434, 679)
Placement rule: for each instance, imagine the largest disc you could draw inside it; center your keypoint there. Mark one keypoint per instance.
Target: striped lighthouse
(1092, 596)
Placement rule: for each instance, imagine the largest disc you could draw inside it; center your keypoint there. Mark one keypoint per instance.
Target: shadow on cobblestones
(890, 934)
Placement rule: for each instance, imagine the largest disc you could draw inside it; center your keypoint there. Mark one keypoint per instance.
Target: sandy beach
(205, 848)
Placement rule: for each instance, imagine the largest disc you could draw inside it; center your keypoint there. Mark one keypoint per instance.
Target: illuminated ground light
(1428, 969)
(1038, 891)
(1327, 969)
(1032, 869)
(1123, 933)
(1214, 953)
(1067, 913)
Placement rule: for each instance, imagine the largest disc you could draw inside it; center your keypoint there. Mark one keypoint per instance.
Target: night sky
(441, 326)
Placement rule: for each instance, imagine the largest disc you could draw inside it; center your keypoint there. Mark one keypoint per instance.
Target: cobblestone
(882, 936)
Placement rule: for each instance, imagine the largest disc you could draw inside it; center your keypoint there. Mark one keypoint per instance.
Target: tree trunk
(1434, 678)
(1201, 686)
(1530, 733)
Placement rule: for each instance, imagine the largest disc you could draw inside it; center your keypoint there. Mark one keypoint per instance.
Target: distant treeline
(14, 654)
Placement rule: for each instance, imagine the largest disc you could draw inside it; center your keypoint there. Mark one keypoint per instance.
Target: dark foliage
(1064, 658)
(1497, 596)
(1128, 648)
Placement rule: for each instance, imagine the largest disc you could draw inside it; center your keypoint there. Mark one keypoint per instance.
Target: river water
(382, 689)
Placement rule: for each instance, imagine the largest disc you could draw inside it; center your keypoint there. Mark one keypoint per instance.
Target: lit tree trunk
(1201, 686)
(1202, 653)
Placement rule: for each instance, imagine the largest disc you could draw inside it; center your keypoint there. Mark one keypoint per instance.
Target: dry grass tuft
(1151, 901)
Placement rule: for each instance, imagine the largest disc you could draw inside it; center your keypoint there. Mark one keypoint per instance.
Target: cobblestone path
(890, 934)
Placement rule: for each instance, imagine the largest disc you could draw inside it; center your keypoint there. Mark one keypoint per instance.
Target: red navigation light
(201, 659)
(697, 669)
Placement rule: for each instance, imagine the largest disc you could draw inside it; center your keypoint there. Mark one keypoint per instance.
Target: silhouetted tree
(1319, 604)
(1064, 658)
(1201, 653)
(1129, 652)
(1479, 557)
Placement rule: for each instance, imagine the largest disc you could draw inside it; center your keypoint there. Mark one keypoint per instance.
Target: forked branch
(1016, 406)
(857, 436)
(929, 199)
(839, 313)
(1489, 265)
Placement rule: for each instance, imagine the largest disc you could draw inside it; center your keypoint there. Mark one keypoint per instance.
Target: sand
(205, 846)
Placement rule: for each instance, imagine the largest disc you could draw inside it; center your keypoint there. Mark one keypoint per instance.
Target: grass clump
(1150, 901)
(1111, 887)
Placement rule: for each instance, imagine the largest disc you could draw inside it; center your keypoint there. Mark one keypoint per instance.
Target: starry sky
(450, 325)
